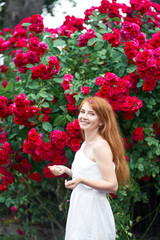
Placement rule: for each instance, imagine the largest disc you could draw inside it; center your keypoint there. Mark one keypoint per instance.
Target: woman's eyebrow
(90, 111)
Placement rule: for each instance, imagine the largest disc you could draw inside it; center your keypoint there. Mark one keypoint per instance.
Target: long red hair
(110, 131)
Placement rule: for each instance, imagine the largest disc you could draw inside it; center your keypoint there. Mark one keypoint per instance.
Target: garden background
(113, 52)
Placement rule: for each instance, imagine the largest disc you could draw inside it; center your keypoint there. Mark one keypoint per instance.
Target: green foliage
(85, 64)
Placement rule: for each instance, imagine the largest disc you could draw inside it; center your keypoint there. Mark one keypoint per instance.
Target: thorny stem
(51, 216)
(116, 219)
(147, 186)
(146, 216)
(151, 222)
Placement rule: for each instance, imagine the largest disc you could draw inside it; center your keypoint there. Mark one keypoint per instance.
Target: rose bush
(114, 53)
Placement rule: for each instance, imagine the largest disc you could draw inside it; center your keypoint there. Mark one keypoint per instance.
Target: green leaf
(55, 92)
(11, 65)
(93, 17)
(46, 34)
(49, 97)
(58, 80)
(59, 43)
(29, 65)
(34, 85)
(9, 86)
(109, 30)
(26, 24)
(140, 167)
(32, 96)
(47, 126)
(56, 51)
(40, 117)
(116, 19)
(157, 152)
(77, 75)
(102, 25)
(99, 36)
(63, 109)
(15, 145)
(69, 118)
(12, 135)
(45, 104)
(98, 45)
(131, 68)
(139, 84)
(49, 42)
(60, 120)
(137, 113)
(91, 41)
(43, 94)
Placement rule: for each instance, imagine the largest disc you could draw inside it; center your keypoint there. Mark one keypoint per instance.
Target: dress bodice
(86, 168)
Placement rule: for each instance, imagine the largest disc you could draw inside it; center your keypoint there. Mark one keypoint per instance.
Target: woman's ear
(101, 123)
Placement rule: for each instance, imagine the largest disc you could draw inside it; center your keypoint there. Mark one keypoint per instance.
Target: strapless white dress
(90, 216)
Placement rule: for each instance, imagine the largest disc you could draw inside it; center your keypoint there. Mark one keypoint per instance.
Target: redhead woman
(98, 168)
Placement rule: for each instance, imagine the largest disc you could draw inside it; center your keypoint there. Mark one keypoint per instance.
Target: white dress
(90, 216)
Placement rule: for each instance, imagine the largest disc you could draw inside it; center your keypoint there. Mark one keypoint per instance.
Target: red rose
(146, 178)
(3, 137)
(3, 101)
(47, 172)
(71, 108)
(70, 128)
(75, 144)
(68, 77)
(32, 135)
(149, 85)
(76, 124)
(59, 158)
(4, 157)
(131, 49)
(85, 90)
(137, 134)
(113, 195)
(36, 177)
(14, 209)
(36, 158)
(127, 144)
(128, 115)
(26, 166)
(99, 81)
(56, 134)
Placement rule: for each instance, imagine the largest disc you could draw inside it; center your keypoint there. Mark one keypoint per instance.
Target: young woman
(98, 167)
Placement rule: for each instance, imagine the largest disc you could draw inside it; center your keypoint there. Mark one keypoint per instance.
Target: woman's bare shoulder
(102, 151)
(101, 145)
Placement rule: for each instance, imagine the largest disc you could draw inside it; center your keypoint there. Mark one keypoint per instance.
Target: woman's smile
(88, 118)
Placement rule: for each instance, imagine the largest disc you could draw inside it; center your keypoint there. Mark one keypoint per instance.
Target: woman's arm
(104, 158)
(58, 170)
(97, 184)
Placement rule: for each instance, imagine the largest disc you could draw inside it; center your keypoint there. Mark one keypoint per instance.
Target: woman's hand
(57, 170)
(71, 184)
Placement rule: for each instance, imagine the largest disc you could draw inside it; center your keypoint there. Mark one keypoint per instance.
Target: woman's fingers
(55, 170)
(70, 184)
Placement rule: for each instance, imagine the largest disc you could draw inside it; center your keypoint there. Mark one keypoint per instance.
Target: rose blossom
(85, 90)
(36, 177)
(137, 134)
(14, 209)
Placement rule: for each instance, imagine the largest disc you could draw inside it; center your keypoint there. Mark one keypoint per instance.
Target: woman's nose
(85, 115)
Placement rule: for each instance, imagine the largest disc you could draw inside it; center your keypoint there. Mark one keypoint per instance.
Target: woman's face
(88, 119)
